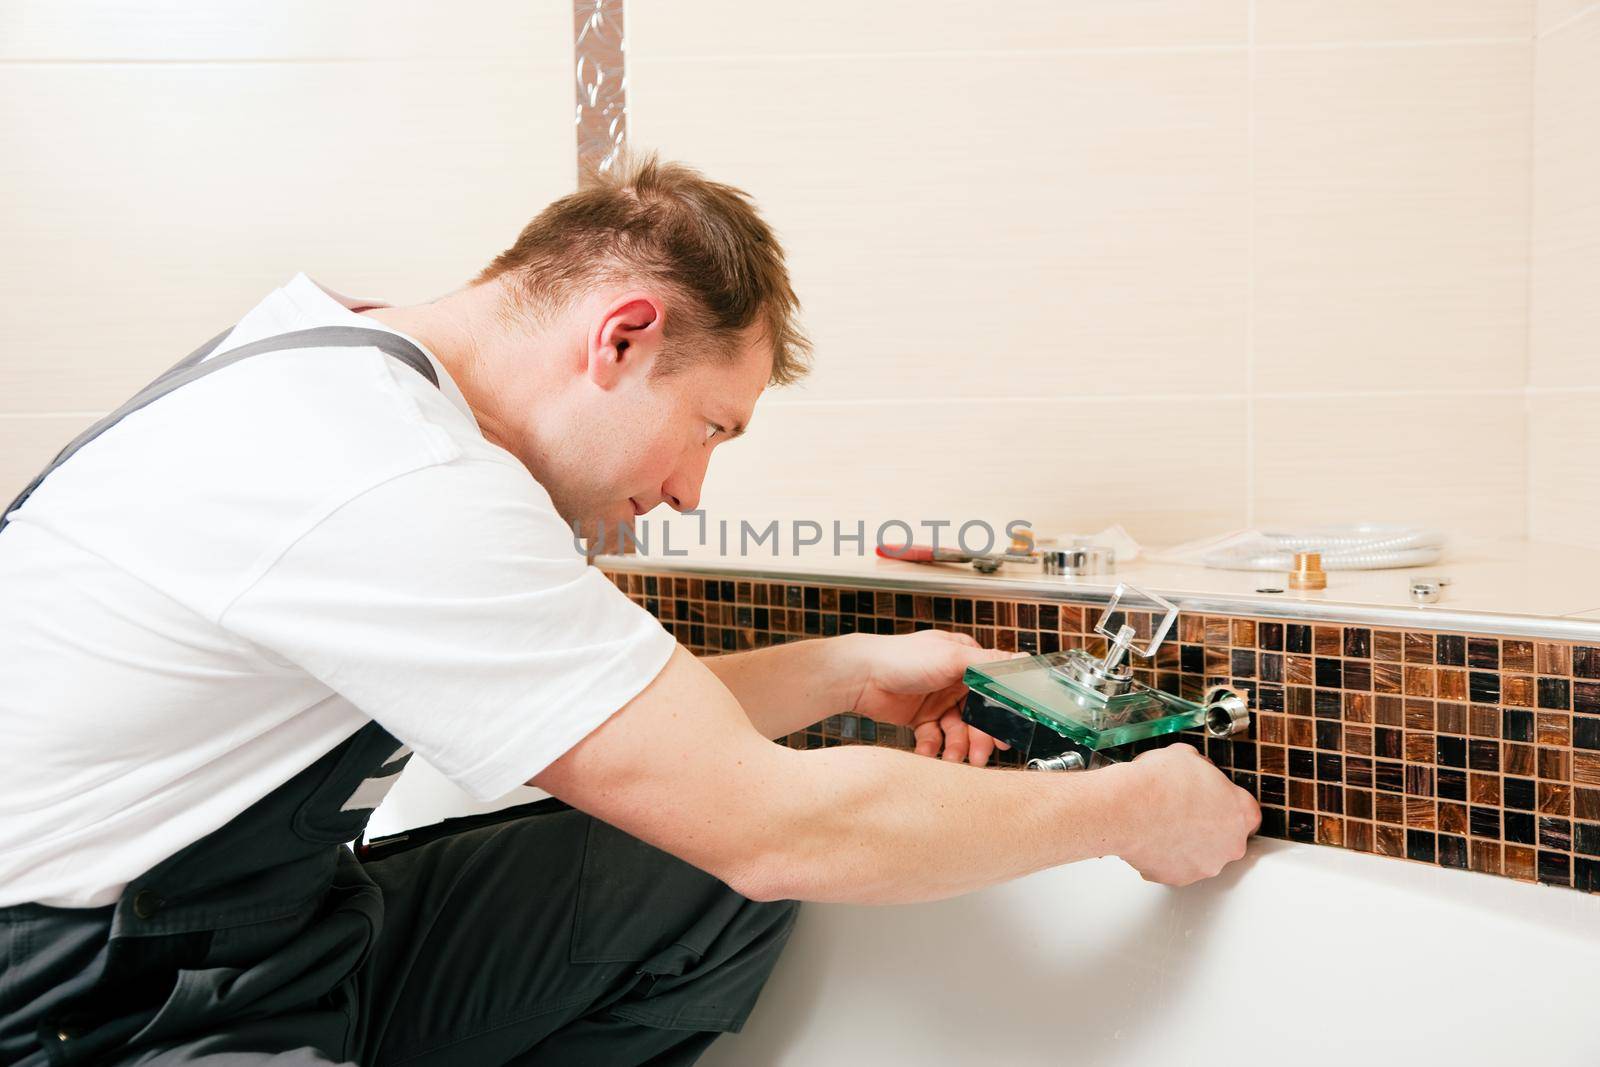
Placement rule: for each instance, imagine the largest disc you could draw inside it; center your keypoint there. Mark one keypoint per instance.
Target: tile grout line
(1122, 398)
(1528, 287)
(1250, 272)
(1087, 50)
(1436, 42)
(1576, 16)
(265, 61)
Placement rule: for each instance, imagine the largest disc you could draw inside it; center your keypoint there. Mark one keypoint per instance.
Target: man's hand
(1188, 819)
(915, 680)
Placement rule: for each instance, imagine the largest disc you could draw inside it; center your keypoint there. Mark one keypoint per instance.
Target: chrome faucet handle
(1121, 642)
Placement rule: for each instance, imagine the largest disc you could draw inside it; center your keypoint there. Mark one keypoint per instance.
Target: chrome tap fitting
(1067, 761)
(1226, 712)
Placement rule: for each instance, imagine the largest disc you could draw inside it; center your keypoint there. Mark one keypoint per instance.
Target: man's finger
(955, 736)
(928, 737)
(979, 747)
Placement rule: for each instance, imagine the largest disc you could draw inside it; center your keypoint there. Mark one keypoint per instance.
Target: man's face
(652, 445)
(621, 439)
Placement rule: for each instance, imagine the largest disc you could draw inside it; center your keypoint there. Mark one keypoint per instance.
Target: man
(340, 535)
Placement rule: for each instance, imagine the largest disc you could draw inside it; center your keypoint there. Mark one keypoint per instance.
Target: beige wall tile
(1564, 477)
(1330, 21)
(1554, 14)
(732, 28)
(1018, 226)
(1566, 208)
(1391, 217)
(1455, 463)
(28, 442)
(147, 206)
(996, 460)
(529, 30)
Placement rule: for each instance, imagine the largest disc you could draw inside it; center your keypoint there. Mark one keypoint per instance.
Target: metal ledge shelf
(1098, 590)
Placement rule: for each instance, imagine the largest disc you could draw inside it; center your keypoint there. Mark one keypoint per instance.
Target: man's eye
(712, 429)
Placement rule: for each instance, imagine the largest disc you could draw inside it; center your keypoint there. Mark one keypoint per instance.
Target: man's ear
(626, 340)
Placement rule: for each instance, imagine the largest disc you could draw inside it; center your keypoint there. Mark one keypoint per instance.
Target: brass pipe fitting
(1308, 572)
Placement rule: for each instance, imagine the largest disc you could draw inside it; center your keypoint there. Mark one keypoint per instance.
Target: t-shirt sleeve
(450, 605)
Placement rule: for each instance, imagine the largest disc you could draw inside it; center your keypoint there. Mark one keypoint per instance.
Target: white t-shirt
(233, 580)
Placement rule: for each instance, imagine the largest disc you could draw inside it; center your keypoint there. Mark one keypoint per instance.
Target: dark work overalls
(536, 935)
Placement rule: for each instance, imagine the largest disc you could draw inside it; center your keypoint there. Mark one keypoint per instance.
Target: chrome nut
(1079, 560)
(1428, 589)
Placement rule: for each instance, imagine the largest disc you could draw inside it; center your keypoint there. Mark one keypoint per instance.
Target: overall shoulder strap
(196, 365)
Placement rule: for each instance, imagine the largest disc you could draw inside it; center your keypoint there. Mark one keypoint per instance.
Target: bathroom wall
(1564, 371)
(1185, 264)
(1182, 264)
(165, 166)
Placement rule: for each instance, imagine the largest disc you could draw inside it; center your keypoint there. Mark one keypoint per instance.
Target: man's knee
(638, 902)
(710, 979)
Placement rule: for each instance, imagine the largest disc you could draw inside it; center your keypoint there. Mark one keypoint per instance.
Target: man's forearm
(788, 687)
(682, 768)
(876, 826)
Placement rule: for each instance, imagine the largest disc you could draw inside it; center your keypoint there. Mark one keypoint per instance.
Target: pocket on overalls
(60, 976)
(192, 1003)
(293, 966)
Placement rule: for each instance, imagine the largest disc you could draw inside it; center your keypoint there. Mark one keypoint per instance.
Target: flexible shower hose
(1367, 546)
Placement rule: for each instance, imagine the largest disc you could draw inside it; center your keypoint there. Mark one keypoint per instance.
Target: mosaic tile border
(1450, 749)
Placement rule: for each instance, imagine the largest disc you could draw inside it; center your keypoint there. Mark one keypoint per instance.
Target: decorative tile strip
(602, 83)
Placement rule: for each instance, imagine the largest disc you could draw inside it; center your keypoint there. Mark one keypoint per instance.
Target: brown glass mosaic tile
(1456, 750)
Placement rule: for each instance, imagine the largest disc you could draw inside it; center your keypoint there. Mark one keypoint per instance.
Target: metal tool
(982, 562)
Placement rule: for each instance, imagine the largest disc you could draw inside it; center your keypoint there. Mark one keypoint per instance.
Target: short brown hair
(667, 223)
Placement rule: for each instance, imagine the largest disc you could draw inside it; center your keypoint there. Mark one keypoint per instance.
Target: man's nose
(686, 500)
(682, 490)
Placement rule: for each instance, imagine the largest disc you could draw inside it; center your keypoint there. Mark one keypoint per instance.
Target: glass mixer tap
(1086, 704)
